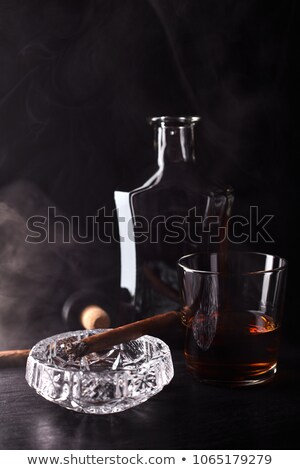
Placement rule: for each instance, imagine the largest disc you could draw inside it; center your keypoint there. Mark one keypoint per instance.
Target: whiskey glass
(234, 303)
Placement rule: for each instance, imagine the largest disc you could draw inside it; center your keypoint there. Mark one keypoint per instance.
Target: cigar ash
(68, 353)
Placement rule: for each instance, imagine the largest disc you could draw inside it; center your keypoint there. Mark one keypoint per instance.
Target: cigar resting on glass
(90, 318)
(149, 326)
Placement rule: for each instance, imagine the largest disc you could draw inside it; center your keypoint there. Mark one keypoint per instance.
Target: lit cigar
(106, 340)
(154, 325)
(91, 317)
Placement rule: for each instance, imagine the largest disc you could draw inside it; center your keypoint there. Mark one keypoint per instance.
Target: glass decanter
(176, 212)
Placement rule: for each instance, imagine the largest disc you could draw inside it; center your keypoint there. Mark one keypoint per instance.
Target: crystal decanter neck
(174, 138)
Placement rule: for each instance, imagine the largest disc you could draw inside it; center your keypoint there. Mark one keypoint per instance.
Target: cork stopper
(93, 317)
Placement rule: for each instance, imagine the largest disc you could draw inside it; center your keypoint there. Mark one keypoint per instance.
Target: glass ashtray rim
(105, 390)
(164, 352)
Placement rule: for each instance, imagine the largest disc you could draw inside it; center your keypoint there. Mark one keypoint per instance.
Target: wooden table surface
(185, 415)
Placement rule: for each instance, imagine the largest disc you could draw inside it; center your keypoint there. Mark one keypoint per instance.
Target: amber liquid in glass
(231, 346)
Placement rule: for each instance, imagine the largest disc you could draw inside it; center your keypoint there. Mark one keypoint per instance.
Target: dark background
(77, 81)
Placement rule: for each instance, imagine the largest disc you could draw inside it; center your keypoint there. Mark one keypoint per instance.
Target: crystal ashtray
(100, 383)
